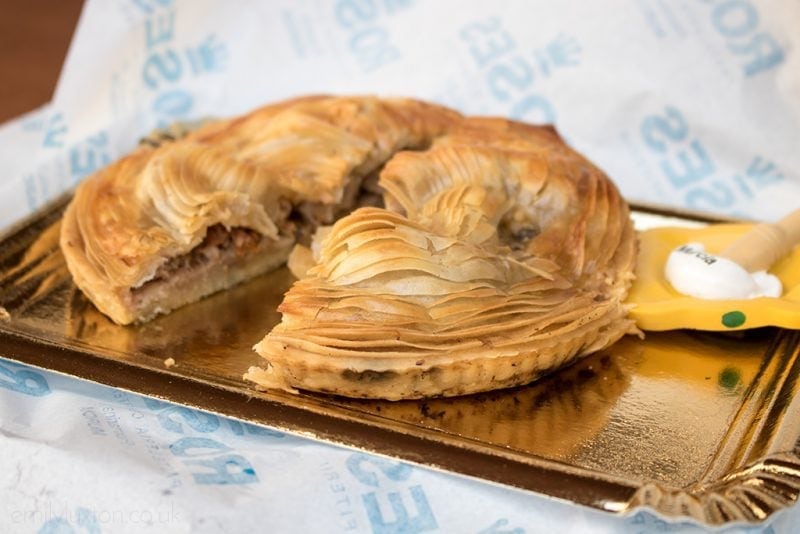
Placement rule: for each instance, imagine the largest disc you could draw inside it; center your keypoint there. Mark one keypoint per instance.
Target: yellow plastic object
(657, 306)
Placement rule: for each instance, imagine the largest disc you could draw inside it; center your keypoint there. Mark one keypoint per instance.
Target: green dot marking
(732, 319)
(729, 377)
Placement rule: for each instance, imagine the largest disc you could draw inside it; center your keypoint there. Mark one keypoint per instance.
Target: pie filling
(219, 241)
(224, 258)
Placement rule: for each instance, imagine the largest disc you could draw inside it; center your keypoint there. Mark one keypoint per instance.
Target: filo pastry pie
(450, 255)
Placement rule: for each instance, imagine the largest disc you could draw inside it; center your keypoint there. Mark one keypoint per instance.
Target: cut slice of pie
(501, 255)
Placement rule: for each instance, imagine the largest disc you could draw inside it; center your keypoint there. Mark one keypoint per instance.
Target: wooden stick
(760, 248)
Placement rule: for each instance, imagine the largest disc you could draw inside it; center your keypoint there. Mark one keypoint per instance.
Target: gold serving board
(690, 424)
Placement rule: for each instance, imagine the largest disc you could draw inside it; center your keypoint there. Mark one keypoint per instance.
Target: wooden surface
(34, 38)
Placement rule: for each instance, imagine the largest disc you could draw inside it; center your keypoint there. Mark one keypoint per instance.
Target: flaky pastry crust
(494, 254)
(501, 255)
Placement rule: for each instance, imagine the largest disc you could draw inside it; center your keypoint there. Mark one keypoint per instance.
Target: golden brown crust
(501, 253)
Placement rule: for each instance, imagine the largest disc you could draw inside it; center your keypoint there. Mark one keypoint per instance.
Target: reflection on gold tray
(690, 424)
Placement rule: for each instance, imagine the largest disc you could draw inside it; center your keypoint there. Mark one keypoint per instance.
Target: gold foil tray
(691, 424)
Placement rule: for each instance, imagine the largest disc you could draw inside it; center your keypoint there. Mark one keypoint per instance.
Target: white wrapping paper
(78, 457)
(692, 103)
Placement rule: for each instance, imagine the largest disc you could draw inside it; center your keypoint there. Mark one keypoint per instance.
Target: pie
(437, 254)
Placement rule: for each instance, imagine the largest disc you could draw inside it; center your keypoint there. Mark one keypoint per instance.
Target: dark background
(34, 38)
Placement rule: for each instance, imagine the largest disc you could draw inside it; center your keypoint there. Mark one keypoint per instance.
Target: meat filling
(219, 243)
